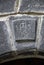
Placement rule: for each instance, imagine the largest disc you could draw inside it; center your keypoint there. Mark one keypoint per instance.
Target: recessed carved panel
(25, 29)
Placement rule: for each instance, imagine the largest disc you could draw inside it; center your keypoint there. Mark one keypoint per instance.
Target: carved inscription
(24, 29)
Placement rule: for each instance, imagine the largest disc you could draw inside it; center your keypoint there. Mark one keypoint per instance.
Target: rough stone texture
(41, 39)
(5, 45)
(24, 33)
(31, 6)
(7, 7)
(15, 32)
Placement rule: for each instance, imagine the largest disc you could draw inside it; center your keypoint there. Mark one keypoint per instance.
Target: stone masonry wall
(21, 29)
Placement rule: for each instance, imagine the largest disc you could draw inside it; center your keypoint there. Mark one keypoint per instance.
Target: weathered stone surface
(18, 35)
(7, 6)
(24, 33)
(31, 6)
(4, 38)
(41, 40)
(25, 29)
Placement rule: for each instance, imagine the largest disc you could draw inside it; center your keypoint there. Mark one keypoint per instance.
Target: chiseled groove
(29, 13)
(22, 57)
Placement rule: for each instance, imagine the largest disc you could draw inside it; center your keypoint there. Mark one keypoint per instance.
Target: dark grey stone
(7, 6)
(31, 5)
(25, 29)
(4, 38)
(27, 46)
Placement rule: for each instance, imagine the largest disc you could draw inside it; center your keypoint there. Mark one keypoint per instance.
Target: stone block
(5, 45)
(31, 6)
(8, 6)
